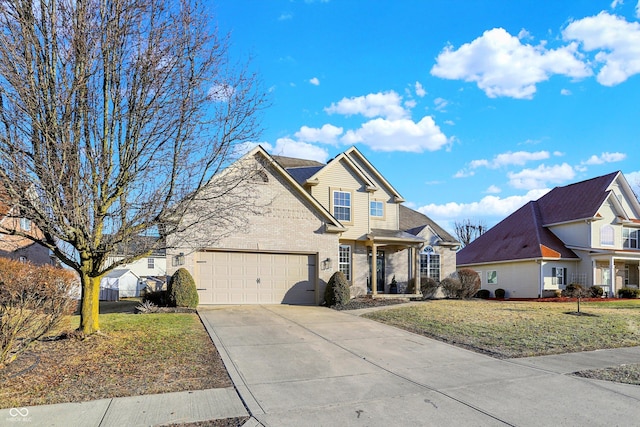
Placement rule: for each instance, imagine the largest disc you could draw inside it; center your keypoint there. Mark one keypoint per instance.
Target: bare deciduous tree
(114, 114)
(467, 230)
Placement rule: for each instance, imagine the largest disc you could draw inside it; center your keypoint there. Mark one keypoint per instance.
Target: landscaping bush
(33, 300)
(483, 293)
(451, 287)
(159, 298)
(469, 283)
(574, 290)
(337, 291)
(428, 287)
(182, 289)
(500, 293)
(628, 293)
(596, 292)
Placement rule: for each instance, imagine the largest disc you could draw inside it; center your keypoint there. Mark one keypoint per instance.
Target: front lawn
(507, 329)
(134, 354)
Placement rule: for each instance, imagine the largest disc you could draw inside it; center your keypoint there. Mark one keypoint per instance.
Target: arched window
(606, 235)
(430, 263)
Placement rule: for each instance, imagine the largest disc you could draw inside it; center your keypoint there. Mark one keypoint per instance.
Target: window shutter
(554, 276)
(564, 276)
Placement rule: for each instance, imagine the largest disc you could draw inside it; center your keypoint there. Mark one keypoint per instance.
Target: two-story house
(314, 219)
(584, 233)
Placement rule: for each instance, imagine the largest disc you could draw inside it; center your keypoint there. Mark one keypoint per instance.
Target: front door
(380, 267)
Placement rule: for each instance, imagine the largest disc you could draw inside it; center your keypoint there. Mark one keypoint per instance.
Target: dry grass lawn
(134, 354)
(507, 329)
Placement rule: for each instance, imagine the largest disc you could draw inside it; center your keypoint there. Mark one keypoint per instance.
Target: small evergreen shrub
(158, 298)
(573, 290)
(500, 293)
(182, 289)
(628, 293)
(596, 292)
(483, 294)
(337, 291)
(469, 281)
(451, 287)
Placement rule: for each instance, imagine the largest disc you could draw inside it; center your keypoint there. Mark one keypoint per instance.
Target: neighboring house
(316, 219)
(438, 255)
(150, 270)
(18, 247)
(120, 283)
(585, 233)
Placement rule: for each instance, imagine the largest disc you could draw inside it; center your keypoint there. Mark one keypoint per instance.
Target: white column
(373, 272)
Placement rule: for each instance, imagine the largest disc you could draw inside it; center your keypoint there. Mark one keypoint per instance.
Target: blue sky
(469, 108)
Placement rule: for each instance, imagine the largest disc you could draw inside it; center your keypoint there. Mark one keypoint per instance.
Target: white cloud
(420, 91)
(540, 177)
(634, 181)
(638, 9)
(616, 41)
(565, 92)
(441, 104)
(487, 206)
(605, 158)
(285, 16)
(315, 81)
(493, 189)
(382, 104)
(398, 135)
(517, 158)
(410, 104)
(327, 134)
(501, 65)
(298, 149)
(449, 122)
(221, 92)
(615, 3)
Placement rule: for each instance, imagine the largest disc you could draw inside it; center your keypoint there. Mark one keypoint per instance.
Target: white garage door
(255, 278)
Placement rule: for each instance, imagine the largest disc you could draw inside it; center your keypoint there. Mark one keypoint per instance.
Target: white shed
(123, 281)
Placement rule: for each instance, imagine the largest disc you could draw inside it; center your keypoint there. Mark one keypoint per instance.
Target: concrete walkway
(314, 366)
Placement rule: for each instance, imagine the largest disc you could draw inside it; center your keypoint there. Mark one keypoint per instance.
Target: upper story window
(630, 238)
(376, 208)
(606, 235)
(342, 205)
(25, 224)
(151, 263)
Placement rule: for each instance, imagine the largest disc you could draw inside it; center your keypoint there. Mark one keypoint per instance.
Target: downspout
(541, 279)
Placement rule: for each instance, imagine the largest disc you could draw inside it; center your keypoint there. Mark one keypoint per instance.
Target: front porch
(616, 272)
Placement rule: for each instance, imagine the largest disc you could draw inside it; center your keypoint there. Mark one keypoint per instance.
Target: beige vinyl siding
(574, 234)
(518, 279)
(390, 219)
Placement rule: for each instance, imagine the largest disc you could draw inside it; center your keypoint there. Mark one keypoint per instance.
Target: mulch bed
(363, 302)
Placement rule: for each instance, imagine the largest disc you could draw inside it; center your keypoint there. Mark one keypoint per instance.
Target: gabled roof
(331, 224)
(525, 234)
(414, 222)
(292, 162)
(578, 201)
(519, 236)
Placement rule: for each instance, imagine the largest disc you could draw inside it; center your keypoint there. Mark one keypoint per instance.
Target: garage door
(255, 278)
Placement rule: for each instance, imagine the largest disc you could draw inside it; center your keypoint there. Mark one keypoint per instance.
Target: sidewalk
(148, 410)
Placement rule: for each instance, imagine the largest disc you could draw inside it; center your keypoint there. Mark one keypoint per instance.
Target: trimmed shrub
(469, 281)
(451, 287)
(574, 290)
(596, 292)
(337, 291)
(428, 287)
(483, 294)
(182, 289)
(159, 298)
(500, 293)
(628, 293)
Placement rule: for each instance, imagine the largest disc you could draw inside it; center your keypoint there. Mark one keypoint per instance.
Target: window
(22, 259)
(559, 276)
(606, 235)
(151, 263)
(630, 238)
(626, 274)
(430, 263)
(376, 208)
(25, 224)
(342, 205)
(344, 260)
(492, 277)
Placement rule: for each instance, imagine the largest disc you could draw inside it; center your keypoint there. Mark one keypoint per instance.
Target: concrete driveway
(313, 366)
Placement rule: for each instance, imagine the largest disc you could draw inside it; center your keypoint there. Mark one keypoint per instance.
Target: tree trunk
(89, 312)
